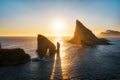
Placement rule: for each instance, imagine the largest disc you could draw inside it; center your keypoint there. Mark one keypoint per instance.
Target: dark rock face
(84, 36)
(10, 57)
(43, 45)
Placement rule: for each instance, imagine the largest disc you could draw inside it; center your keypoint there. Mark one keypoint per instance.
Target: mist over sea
(73, 62)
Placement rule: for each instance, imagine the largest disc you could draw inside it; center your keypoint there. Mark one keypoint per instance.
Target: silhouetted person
(58, 47)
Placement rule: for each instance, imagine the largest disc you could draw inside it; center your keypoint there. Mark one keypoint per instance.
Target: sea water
(73, 62)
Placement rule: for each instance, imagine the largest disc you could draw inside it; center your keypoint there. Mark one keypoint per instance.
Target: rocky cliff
(43, 45)
(10, 57)
(84, 36)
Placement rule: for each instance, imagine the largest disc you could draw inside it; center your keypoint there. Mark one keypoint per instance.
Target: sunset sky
(48, 17)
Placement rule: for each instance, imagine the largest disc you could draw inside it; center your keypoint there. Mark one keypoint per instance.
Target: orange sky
(29, 18)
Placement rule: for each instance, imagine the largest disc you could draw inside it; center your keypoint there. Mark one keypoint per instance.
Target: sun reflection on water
(60, 63)
(58, 59)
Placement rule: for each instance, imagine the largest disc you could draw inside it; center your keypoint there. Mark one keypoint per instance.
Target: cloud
(110, 33)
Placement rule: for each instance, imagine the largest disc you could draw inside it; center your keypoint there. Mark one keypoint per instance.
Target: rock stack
(9, 57)
(45, 45)
(84, 36)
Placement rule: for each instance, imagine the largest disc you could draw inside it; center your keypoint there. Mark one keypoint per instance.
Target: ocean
(73, 62)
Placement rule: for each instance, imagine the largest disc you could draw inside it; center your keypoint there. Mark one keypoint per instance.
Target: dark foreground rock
(84, 36)
(10, 57)
(45, 45)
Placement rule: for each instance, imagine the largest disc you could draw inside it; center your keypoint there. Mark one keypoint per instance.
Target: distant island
(110, 33)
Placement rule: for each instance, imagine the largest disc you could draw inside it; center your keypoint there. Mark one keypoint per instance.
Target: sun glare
(58, 25)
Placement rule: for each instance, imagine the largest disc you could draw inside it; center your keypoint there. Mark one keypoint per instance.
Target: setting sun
(59, 25)
(60, 39)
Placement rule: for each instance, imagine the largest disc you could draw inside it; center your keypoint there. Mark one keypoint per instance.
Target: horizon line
(36, 35)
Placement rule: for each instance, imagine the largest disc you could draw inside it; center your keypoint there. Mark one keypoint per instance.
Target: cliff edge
(84, 36)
